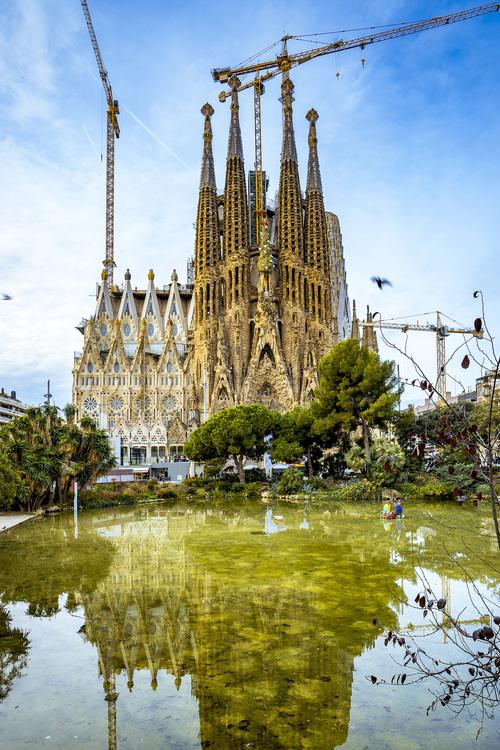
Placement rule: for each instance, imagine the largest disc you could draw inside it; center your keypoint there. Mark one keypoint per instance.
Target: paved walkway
(8, 520)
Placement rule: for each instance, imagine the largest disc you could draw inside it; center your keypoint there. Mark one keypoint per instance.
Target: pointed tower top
(207, 178)
(313, 173)
(234, 146)
(289, 150)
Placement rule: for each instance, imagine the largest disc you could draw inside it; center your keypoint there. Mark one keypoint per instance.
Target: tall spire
(317, 253)
(207, 178)
(207, 222)
(235, 195)
(313, 173)
(235, 146)
(290, 232)
(235, 269)
(289, 150)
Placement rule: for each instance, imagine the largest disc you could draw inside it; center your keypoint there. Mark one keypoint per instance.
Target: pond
(232, 627)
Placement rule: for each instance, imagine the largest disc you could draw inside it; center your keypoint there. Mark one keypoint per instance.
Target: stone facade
(251, 327)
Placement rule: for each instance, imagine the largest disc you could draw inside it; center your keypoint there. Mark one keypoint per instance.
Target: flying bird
(6, 296)
(380, 282)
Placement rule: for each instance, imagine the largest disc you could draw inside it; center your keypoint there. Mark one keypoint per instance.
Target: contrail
(94, 147)
(158, 140)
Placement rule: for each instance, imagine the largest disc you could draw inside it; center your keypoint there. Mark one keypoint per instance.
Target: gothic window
(200, 306)
(207, 301)
(116, 405)
(174, 309)
(139, 436)
(223, 397)
(149, 311)
(116, 367)
(90, 407)
(144, 407)
(174, 330)
(170, 366)
(169, 406)
(126, 329)
(126, 311)
(104, 329)
(151, 330)
(90, 367)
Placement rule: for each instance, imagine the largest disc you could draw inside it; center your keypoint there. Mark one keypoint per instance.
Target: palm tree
(48, 454)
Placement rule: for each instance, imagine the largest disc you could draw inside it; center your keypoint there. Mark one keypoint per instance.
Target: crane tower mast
(112, 132)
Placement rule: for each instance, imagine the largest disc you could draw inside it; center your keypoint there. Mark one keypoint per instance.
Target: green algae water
(232, 627)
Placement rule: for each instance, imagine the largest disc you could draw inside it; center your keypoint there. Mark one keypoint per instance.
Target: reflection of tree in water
(51, 564)
(14, 646)
(268, 629)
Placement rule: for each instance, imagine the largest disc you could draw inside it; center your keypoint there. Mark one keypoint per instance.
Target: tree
(356, 389)
(456, 427)
(46, 454)
(301, 434)
(388, 459)
(236, 432)
(9, 481)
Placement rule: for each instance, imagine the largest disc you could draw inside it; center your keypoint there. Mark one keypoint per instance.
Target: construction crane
(283, 63)
(112, 132)
(440, 330)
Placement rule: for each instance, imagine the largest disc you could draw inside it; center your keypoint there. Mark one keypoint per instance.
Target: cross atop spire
(207, 178)
(313, 173)
(289, 150)
(235, 146)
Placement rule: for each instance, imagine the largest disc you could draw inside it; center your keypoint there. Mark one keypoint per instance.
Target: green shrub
(315, 483)
(432, 489)
(255, 475)
(166, 493)
(291, 481)
(358, 491)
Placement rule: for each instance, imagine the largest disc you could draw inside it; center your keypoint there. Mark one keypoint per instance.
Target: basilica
(250, 323)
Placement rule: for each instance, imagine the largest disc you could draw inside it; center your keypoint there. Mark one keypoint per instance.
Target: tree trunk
(309, 463)
(493, 498)
(368, 451)
(238, 461)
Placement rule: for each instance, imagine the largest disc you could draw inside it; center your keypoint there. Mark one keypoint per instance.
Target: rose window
(116, 404)
(169, 406)
(90, 407)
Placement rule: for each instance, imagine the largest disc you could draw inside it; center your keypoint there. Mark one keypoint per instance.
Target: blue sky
(408, 145)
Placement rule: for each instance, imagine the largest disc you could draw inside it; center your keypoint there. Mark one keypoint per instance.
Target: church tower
(236, 266)
(207, 287)
(291, 247)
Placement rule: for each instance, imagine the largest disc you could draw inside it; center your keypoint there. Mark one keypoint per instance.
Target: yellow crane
(440, 330)
(112, 132)
(284, 62)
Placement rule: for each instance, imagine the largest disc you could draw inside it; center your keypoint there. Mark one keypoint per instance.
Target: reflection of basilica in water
(269, 646)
